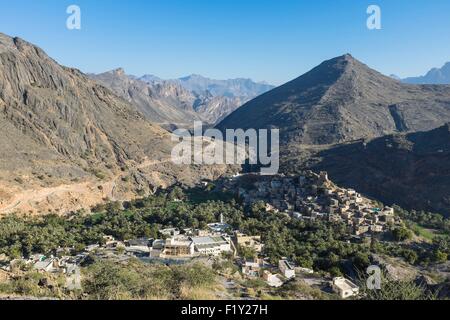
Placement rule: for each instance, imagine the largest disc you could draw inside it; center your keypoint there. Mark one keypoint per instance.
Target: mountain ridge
(169, 102)
(434, 76)
(342, 100)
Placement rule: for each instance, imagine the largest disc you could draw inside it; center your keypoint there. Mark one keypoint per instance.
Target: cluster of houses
(307, 196)
(275, 276)
(66, 265)
(311, 196)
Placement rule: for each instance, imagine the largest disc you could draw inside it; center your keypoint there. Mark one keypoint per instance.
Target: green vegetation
(402, 234)
(421, 231)
(34, 284)
(319, 244)
(106, 280)
(396, 290)
(425, 219)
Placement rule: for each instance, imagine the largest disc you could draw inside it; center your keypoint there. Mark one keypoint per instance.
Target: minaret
(221, 218)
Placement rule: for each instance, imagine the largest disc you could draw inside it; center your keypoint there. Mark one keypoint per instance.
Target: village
(306, 197)
(312, 196)
(177, 247)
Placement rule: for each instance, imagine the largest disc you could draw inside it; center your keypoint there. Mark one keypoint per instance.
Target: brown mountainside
(342, 100)
(68, 142)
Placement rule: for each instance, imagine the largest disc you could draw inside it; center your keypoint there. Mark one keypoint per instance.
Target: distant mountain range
(434, 76)
(343, 100)
(243, 88)
(179, 102)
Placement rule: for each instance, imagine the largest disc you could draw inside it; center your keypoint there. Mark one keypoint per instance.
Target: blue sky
(264, 40)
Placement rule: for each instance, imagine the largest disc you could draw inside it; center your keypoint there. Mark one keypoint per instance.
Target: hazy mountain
(149, 78)
(67, 142)
(343, 100)
(434, 76)
(411, 170)
(244, 88)
(161, 102)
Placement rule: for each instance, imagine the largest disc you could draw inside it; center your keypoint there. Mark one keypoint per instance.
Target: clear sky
(260, 39)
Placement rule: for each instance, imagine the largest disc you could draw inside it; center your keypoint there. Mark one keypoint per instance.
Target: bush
(401, 234)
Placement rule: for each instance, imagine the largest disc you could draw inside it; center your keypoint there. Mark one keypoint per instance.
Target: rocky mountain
(342, 100)
(165, 103)
(434, 76)
(411, 170)
(68, 142)
(168, 102)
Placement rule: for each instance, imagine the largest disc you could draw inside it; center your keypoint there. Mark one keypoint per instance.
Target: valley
(92, 204)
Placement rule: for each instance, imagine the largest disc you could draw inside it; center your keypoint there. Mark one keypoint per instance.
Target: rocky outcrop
(68, 141)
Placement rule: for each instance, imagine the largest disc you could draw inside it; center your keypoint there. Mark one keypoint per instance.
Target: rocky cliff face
(68, 141)
(168, 103)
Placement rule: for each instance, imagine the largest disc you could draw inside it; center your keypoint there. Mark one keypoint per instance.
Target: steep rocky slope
(68, 142)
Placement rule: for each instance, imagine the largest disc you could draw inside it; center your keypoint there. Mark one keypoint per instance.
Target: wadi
(124, 185)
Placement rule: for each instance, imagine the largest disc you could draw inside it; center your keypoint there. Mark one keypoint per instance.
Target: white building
(170, 232)
(47, 265)
(252, 268)
(73, 277)
(345, 288)
(178, 247)
(211, 245)
(287, 269)
(272, 279)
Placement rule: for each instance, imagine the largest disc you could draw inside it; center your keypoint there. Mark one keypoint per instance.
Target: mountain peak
(118, 71)
(340, 100)
(347, 57)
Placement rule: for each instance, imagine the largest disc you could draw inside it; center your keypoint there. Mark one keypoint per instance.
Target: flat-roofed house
(344, 287)
(178, 247)
(47, 265)
(287, 269)
(252, 268)
(211, 245)
(272, 279)
(253, 242)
